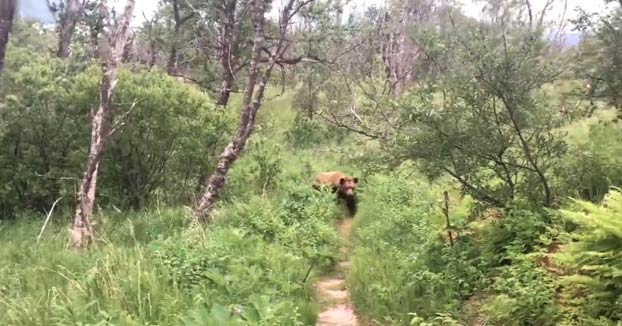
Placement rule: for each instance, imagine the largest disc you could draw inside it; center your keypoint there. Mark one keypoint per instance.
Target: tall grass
(151, 268)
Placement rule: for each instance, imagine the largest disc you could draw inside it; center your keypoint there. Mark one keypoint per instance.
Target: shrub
(525, 295)
(172, 134)
(403, 274)
(306, 133)
(300, 220)
(165, 134)
(44, 132)
(389, 278)
(594, 165)
(595, 256)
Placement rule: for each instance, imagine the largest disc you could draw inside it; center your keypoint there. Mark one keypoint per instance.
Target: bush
(525, 295)
(593, 165)
(44, 134)
(389, 278)
(266, 165)
(299, 219)
(235, 268)
(165, 134)
(595, 257)
(171, 134)
(306, 133)
(403, 274)
(519, 232)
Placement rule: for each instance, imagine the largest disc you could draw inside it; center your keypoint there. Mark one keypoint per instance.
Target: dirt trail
(331, 290)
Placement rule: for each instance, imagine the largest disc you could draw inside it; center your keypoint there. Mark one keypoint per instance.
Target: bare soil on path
(331, 290)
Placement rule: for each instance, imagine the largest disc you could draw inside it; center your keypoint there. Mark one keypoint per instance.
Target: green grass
(247, 268)
(150, 268)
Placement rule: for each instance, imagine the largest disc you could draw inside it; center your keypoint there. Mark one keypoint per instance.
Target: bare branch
(547, 7)
(337, 122)
(49, 214)
(120, 123)
(297, 9)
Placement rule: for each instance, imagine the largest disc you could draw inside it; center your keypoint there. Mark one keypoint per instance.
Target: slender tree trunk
(128, 49)
(216, 182)
(251, 103)
(228, 40)
(110, 52)
(67, 27)
(7, 13)
(171, 66)
(225, 88)
(548, 196)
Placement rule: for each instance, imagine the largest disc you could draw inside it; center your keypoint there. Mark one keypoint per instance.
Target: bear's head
(347, 185)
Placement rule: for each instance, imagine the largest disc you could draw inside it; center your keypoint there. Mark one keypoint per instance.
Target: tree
(228, 39)
(478, 116)
(399, 52)
(110, 49)
(252, 100)
(178, 21)
(7, 13)
(604, 67)
(70, 12)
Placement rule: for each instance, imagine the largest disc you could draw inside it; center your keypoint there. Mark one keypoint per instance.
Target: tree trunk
(216, 182)
(110, 52)
(171, 66)
(228, 40)
(225, 88)
(250, 105)
(548, 196)
(7, 13)
(67, 27)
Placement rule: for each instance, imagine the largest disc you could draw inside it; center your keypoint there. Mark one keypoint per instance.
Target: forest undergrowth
(274, 237)
(529, 157)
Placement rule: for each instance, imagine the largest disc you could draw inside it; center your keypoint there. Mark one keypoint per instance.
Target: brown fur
(343, 185)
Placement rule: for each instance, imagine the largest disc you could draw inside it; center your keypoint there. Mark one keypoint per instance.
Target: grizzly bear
(340, 183)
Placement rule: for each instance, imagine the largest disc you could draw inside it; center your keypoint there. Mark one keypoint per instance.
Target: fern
(597, 253)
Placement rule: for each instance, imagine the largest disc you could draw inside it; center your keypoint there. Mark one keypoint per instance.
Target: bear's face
(348, 185)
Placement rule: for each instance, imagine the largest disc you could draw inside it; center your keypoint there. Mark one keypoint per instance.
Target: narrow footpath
(331, 290)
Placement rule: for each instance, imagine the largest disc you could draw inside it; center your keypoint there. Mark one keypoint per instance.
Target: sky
(36, 8)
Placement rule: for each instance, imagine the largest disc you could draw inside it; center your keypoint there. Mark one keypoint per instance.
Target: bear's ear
(341, 181)
(355, 179)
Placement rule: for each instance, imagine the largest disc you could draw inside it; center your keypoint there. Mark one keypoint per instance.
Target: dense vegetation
(414, 98)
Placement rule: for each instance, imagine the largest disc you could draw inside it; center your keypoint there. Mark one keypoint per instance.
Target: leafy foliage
(488, 127)
(165, 135)
(151, 270)
(594, 256)
(600, 56)
(403, 274)
(170, 134)
(487, 110)
(44, 133)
